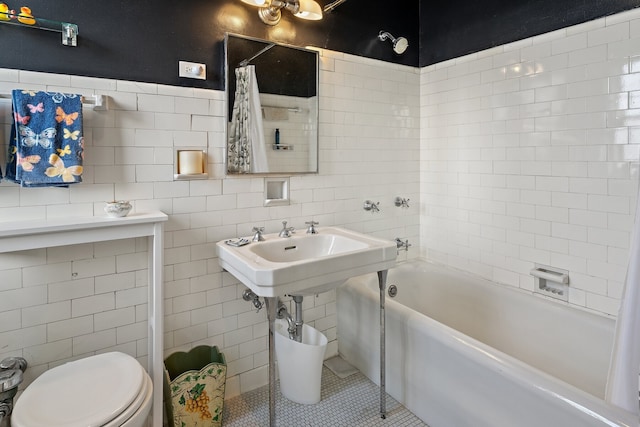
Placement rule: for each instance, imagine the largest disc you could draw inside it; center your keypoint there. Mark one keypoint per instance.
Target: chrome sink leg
(272, 306)
(382, 282)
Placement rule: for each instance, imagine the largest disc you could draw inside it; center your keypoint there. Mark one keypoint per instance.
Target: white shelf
(26, 235)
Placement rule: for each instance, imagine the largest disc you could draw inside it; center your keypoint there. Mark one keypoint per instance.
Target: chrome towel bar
(99, 102)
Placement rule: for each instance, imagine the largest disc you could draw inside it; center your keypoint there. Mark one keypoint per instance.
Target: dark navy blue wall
(143, 40)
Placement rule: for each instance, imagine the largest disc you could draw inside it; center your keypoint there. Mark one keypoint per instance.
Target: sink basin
(306, 264)
(307, 247)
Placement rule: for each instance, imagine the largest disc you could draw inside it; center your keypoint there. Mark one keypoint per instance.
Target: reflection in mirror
(272, 107)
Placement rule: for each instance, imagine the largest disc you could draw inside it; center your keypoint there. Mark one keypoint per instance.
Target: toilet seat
(142, 404)
(96, 391)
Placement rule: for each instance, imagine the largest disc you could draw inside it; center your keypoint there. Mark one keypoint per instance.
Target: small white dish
(117, 208)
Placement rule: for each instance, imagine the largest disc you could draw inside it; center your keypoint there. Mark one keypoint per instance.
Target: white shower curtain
(622, 382)
(246, 148)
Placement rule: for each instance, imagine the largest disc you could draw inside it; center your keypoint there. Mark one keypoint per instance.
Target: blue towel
(46, 146)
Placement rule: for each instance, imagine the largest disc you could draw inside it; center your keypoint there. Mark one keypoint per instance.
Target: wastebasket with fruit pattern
(194, 387)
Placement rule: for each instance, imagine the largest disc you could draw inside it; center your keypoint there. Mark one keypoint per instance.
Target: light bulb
(310, 10)
(255, 2)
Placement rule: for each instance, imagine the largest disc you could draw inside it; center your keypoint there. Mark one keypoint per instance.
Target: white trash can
(300, 364)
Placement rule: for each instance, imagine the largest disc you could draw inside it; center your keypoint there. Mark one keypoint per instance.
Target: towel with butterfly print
(46, 148)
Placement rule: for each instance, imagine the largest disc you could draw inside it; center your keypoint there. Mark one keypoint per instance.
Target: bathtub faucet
(371, 206)
(401, 202)
(402, 244)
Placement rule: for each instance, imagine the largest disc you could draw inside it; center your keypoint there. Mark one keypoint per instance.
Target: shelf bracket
(69, 31)
(69, 34)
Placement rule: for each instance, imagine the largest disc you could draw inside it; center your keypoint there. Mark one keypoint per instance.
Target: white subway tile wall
(294, 127)
(537, 160)
(59, 304)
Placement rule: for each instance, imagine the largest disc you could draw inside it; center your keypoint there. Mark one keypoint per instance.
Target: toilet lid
(88, 392)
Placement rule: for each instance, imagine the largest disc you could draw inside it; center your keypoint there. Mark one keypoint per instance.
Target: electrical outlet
(192, 70)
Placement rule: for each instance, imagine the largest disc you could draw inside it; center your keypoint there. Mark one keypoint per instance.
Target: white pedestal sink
(306, 264)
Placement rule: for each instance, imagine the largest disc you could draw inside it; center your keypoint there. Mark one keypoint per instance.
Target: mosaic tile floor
(349, 402)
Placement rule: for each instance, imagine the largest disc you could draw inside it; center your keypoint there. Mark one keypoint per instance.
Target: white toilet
(106, 390)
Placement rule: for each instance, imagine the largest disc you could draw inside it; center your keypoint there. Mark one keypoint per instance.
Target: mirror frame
(313, 141)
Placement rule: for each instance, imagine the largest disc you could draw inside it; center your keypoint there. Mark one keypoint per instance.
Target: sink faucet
(286, 231)
(312, 228)
(258, 237)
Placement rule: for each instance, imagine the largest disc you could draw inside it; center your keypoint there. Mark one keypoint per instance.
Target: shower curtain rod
(291, 109)
(246, 62)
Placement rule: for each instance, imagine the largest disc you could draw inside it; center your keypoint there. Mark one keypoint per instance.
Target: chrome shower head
(400, 44)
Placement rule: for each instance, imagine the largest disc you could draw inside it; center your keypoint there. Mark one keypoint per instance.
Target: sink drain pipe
(294, 327)
(297, 299)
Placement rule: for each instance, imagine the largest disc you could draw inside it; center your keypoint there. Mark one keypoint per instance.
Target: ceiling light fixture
(328, 8)
(270, 11)
(400, 44)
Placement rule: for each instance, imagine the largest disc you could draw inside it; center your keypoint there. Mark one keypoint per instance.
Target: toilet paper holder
(190, 163)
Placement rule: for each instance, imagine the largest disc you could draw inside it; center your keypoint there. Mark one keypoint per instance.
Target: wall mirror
(272, 107)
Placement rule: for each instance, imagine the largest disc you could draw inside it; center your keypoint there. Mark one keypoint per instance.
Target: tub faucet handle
(401, 202)
(402, 244)
(371, 206)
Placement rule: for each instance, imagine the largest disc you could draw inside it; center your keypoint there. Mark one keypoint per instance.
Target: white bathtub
(462, 351)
